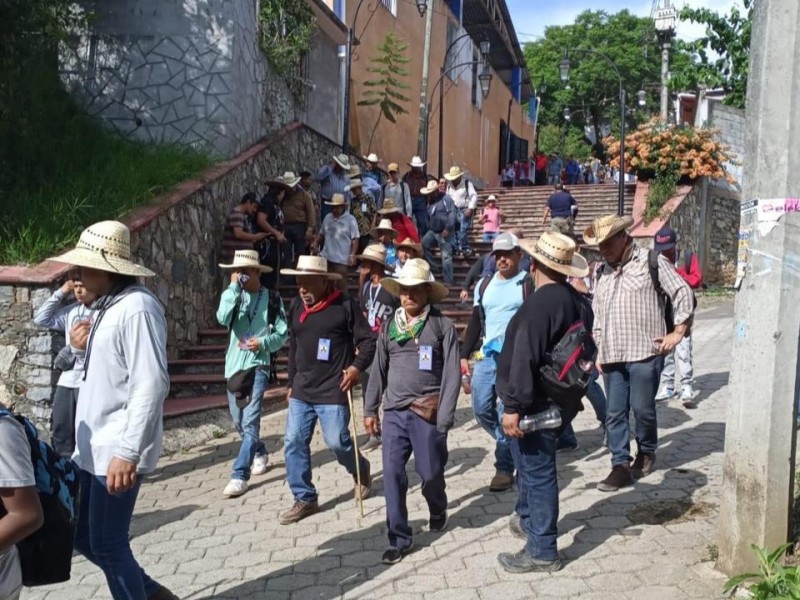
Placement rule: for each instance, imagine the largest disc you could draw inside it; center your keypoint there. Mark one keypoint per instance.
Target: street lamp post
(352, 41)
(563, 68)
(666, 18)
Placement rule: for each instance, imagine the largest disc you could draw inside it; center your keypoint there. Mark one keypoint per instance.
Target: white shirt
(462, 197)
(338, 234)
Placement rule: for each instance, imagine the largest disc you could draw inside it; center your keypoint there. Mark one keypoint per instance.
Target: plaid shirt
(628, 312)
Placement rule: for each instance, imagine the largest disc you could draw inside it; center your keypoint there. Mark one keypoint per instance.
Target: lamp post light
(422, 7)
(642, 97)
(666, 18)
(567, 113)
(564, 66)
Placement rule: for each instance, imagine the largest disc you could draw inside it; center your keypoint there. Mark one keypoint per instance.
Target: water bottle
(549, 419)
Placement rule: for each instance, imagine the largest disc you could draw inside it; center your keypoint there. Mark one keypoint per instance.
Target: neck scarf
(401, 329)
(321, 305)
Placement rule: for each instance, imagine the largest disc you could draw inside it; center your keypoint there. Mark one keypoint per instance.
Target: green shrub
(773, 580)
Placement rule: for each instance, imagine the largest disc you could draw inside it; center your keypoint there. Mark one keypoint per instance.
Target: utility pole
(760, 435)
(423, 94)
(666, 18)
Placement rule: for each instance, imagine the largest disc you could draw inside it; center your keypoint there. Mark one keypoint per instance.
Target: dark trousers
(64, 402)
(296, 241)
(404, 433)
(419, 206)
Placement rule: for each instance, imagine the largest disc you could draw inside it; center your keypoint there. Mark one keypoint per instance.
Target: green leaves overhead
(285, 36)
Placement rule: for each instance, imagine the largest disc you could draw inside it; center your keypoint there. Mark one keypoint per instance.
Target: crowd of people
(551, 169)
(534, 302)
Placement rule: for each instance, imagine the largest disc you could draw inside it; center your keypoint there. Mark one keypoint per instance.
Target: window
(452, 58)
(391, 6)
(475, 81)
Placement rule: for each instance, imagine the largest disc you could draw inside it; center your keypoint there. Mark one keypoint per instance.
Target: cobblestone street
(651, 541)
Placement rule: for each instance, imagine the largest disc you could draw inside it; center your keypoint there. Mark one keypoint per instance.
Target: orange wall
(471, 136)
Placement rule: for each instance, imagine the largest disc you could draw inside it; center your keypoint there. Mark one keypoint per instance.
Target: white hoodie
(121, 402)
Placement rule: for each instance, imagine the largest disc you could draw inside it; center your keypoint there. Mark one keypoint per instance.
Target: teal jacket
(237, 359)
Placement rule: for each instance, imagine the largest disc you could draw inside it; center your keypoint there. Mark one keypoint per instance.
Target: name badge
(372, 316)
(324, 349)
(363, 207)
(426, 358)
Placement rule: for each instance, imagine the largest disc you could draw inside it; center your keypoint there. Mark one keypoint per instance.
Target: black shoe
(515, 527)
(620, 476)
(522, 562)
(438, 522)
(393, 555)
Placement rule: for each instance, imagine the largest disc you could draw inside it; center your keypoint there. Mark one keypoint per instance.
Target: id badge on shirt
(364, 207)
(426, 358)
(324, 349)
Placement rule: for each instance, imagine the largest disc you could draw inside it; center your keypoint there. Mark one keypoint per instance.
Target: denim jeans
(462, 235)
(488, 410)
(247, 422)
(488, 236)
(537, 505)
(597, 398)
(102, 537)
(632, 386)
(682, 356)
(419, 206)
(428, 241)
(300, 424)
(296, 241)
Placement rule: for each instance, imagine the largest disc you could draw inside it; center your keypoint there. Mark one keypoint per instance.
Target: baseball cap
(393, 168)
(505, 242)
(665, 239)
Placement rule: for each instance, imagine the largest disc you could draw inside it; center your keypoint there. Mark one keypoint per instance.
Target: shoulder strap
(653, 267)
(235, 314)
(349, 307)
(485, 281)
(527, 286)
(273, 306)
(687, 261)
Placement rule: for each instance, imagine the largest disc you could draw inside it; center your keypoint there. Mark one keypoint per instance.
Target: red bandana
(321, 305)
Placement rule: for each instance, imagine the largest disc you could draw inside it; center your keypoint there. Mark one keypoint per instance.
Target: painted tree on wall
(384, 91)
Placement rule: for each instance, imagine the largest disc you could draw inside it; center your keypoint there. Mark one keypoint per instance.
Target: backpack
(527, 289)
(663, 297)
(46, 554)
(568, 367)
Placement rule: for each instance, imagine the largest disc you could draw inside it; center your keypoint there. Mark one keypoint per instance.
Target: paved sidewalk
(651, 541)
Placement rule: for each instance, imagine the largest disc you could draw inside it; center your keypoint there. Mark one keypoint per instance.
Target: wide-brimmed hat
(311, 265)
(372, 157)
(557, 252)
(374, 253)
(355, 171)
(389, 207)
(416, 161)
(105, 246)
(384, 225)
(337, 200)
(288, 179)
(430, 187)
(605, 227)
(343, 161)
(354, 183)
(454, 173)
(665, 239)
(246, 259)
(409, 243)
(393, 168)
(491, 198)
(416, 272)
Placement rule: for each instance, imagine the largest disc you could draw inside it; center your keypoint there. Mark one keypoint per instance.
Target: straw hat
(288, 179)
(246, 259)
(374, 253)
(558, 252)
(343, 161)
(311, 265)
(355, 171)
(372, 158)
(409, 243)
(389, 207)
(491, 198)
(393, 168)
(354, 183)
(384, 225)
(417, 272)
(105, 246)
(430, 187)
(605, 227)
(416, 161)
(454, 173)
(337, 200)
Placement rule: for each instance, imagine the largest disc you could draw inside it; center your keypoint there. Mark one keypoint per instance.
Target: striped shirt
(628, 312)
(332, 183)
(230, 243)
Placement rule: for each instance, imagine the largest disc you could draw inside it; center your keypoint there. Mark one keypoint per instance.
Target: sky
(530, 17)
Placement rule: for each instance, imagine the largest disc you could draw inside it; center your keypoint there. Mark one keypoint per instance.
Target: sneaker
(438, 522)
(522, 562)
(393, 555)
(299, 511)
(259, 465)
(515, 527)
(235, 487)
(501, 482)
(665, 394)
(373, 442)
(643, 465)
(620, 476)
(687, 397)
(363, 490)
(163, 594)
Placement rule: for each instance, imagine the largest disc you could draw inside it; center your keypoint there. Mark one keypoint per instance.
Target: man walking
(442, 221)
(330, 345)
(497, 299)
(255, 319)
(533, 332)
(465, 198)
(299, 216)
(241, 232)
(338, 238)
(562, 209)
(554, 167)
(417, 179)
(632, 337)
(363, 209)
(397, 191)
(333, 179)
(416, 367)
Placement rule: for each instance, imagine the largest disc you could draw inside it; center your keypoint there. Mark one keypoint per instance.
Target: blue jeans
(102, 537)
(488, 236)
(488, 410)
(419, 206)
(537, 505)
(428, 241)
(632, 386)
(597, 397)
(462, 235)
(300, 423)
(247, 422)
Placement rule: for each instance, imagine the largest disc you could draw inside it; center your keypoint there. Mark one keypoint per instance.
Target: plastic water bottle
(549, 419)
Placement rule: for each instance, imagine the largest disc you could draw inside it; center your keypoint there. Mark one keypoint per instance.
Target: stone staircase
(197, 379)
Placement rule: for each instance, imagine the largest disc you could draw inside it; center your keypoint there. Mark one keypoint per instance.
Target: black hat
(240, 384)
(665, 239)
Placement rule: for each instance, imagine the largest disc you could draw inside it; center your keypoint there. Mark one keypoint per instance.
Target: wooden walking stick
(355, 449)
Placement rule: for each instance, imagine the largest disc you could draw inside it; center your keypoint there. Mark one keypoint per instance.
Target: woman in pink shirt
(490, 218)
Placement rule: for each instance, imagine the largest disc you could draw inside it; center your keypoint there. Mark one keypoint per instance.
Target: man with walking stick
(417, 366)
(330, 344)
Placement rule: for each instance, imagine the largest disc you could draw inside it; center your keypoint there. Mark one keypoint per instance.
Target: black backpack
(46, 554)
(569, 364)
(663, 297)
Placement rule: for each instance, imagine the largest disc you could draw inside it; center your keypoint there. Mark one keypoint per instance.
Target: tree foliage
(566, 139)
(384, 90)
(287, 29)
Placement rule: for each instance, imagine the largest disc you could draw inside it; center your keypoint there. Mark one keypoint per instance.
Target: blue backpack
(46, 554)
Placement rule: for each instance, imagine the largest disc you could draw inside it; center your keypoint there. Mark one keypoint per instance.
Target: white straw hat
(373, 158)
(416, 161)
(384, 225)
(343, 161)
(454, 173)
(289, 179)
(557, 252)
(374, 253)
(354, 183)
(311, 265)
(389, 207)
(409, 243)
(416, 272)
(337, 200)
(105, 246)
(430, 187)
(246, 259)
(605, 227)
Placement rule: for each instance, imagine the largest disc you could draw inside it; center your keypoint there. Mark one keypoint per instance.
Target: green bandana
(401, 330)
